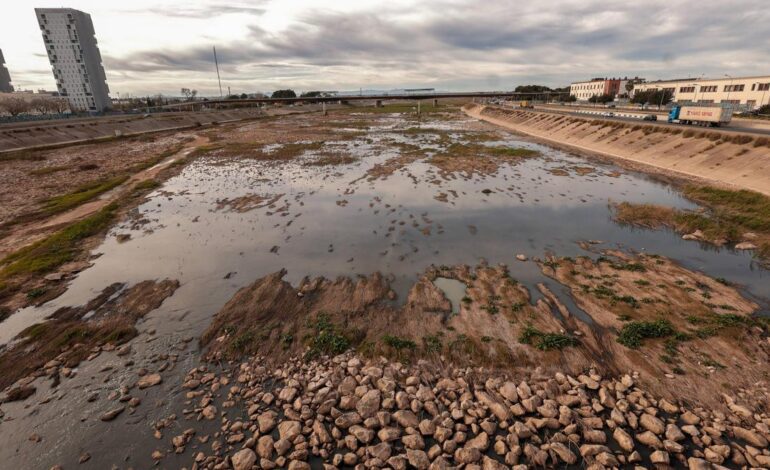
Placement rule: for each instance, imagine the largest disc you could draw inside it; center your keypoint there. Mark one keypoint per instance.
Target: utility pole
(216, 63)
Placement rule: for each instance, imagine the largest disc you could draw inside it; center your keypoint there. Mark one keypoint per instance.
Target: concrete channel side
(44, 134)
(738, 161)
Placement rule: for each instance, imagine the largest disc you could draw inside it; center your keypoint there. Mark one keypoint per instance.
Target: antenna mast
(216, 62)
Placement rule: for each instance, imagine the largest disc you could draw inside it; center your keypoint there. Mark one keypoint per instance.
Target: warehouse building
(613, 87)
(70, 42)
(744, 93)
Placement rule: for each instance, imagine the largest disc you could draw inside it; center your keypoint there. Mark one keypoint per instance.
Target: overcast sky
(159, 46)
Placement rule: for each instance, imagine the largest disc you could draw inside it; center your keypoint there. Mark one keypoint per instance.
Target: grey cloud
(464, 44)
(202, 12)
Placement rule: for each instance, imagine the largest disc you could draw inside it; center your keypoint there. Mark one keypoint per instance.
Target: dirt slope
(733, 160)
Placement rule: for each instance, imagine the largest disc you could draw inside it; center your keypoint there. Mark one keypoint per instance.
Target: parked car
(612, 106)
(650, 117)
(608, 114)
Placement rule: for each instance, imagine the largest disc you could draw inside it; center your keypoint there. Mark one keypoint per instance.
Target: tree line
(17, 105)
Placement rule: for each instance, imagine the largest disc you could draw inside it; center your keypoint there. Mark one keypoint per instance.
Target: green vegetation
(36, 293)
(242, 341)
(545, 341)
(332, 159)
(57, 249)
(398, 343)
(514, 152)
(147, 185)
(64, 202)
(327, 338)
(432, 343)
(710, 325)
(632, 334)
(732, 214)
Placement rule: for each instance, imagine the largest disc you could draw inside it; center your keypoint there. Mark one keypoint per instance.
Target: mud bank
(737, 161)
(685, 333)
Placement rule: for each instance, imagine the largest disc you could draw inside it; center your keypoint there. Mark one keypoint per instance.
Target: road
(736, 126)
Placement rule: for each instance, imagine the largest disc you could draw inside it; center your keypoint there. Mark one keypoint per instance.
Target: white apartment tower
(70, 42)
(5, 77)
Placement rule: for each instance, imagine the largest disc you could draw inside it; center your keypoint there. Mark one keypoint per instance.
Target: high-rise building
(5, 77)
(70, 41)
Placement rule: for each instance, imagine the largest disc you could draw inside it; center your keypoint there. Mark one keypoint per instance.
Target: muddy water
(335, 221)
(329, 221)
(453, 290)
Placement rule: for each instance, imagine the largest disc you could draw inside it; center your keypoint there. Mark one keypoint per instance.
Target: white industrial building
(742, 92)
(5, 77)
(70, 42)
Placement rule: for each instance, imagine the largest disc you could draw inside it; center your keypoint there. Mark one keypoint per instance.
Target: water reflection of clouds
(194, 242)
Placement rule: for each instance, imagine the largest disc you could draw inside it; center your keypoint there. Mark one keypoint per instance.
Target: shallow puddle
(453, 290)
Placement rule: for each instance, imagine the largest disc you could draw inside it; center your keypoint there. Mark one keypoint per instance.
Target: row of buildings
(742, 92)
(70, 43)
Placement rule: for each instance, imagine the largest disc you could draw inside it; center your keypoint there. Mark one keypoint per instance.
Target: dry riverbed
(374, 289)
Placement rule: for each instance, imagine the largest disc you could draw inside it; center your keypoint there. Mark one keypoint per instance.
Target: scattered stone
(149, 380)
(112, 414)
(244, 459)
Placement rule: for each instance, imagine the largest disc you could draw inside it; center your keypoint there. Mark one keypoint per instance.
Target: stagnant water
(330, 221)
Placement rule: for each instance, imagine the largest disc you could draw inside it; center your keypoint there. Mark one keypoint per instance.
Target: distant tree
(41, 105)
(59, 105)
(570, 99)
(764, 109)
(189, 94)
(232, 97)
(601, 98)
(284, 94)
(15, 105)
(244, 96)
(656, 97)
(531, 89)
(311, 94)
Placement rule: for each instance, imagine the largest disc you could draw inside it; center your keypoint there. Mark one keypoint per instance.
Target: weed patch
(545, 341)
(632, 334)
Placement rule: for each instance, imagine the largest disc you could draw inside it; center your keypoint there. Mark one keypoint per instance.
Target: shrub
(632, 334)
(398, 343)
(327, 339)
(545, 341)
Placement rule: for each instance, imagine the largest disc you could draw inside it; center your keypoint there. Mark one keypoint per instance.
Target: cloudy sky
(158, 46)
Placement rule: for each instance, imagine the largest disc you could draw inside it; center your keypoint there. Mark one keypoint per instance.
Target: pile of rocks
(343, 412)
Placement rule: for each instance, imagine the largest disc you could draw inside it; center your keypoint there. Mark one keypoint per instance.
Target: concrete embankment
(739, 161)
(46, 134)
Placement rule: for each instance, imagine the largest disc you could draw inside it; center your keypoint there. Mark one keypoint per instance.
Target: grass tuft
(545, 341)
(59, 248)
(64, 202)
(632, 334)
